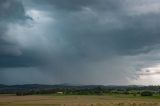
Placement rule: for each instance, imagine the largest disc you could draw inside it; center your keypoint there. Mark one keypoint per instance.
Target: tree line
(94, 91)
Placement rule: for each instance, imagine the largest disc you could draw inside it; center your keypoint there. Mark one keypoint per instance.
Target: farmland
(47, 95)
(76, 100)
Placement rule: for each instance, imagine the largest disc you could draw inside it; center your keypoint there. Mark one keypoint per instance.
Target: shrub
(146, 93)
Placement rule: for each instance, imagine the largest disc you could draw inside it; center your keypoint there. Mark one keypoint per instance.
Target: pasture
(50, 100)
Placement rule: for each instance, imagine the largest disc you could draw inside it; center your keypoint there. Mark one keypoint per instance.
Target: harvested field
(11, 100)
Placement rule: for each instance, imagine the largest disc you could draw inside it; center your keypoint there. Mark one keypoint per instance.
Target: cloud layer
(75, 41)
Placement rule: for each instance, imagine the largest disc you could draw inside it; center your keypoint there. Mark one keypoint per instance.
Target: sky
(99, 42)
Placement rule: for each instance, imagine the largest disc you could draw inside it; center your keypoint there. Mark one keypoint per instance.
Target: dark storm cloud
(27, 59)
(138, 36)
(81, 37)
(127, 34)
(78, 5)
(88, 37)
(72, 5)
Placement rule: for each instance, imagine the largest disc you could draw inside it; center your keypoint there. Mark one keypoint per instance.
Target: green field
(50, 100)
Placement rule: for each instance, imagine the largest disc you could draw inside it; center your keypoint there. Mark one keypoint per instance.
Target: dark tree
(146, 93)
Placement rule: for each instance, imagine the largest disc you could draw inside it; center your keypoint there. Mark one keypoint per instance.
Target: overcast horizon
(88, 42)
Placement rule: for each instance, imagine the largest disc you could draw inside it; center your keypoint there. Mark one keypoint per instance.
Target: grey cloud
(27, 59)
(10, 53)
(9, 50)
(12, 11)
(137, 34)
(83, 35)
(71, 5)
(107, 30)
(78, 5)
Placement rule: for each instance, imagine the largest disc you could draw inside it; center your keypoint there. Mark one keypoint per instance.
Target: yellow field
(11, 100)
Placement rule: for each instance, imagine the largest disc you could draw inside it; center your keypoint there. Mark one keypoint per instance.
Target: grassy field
(44, 100)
